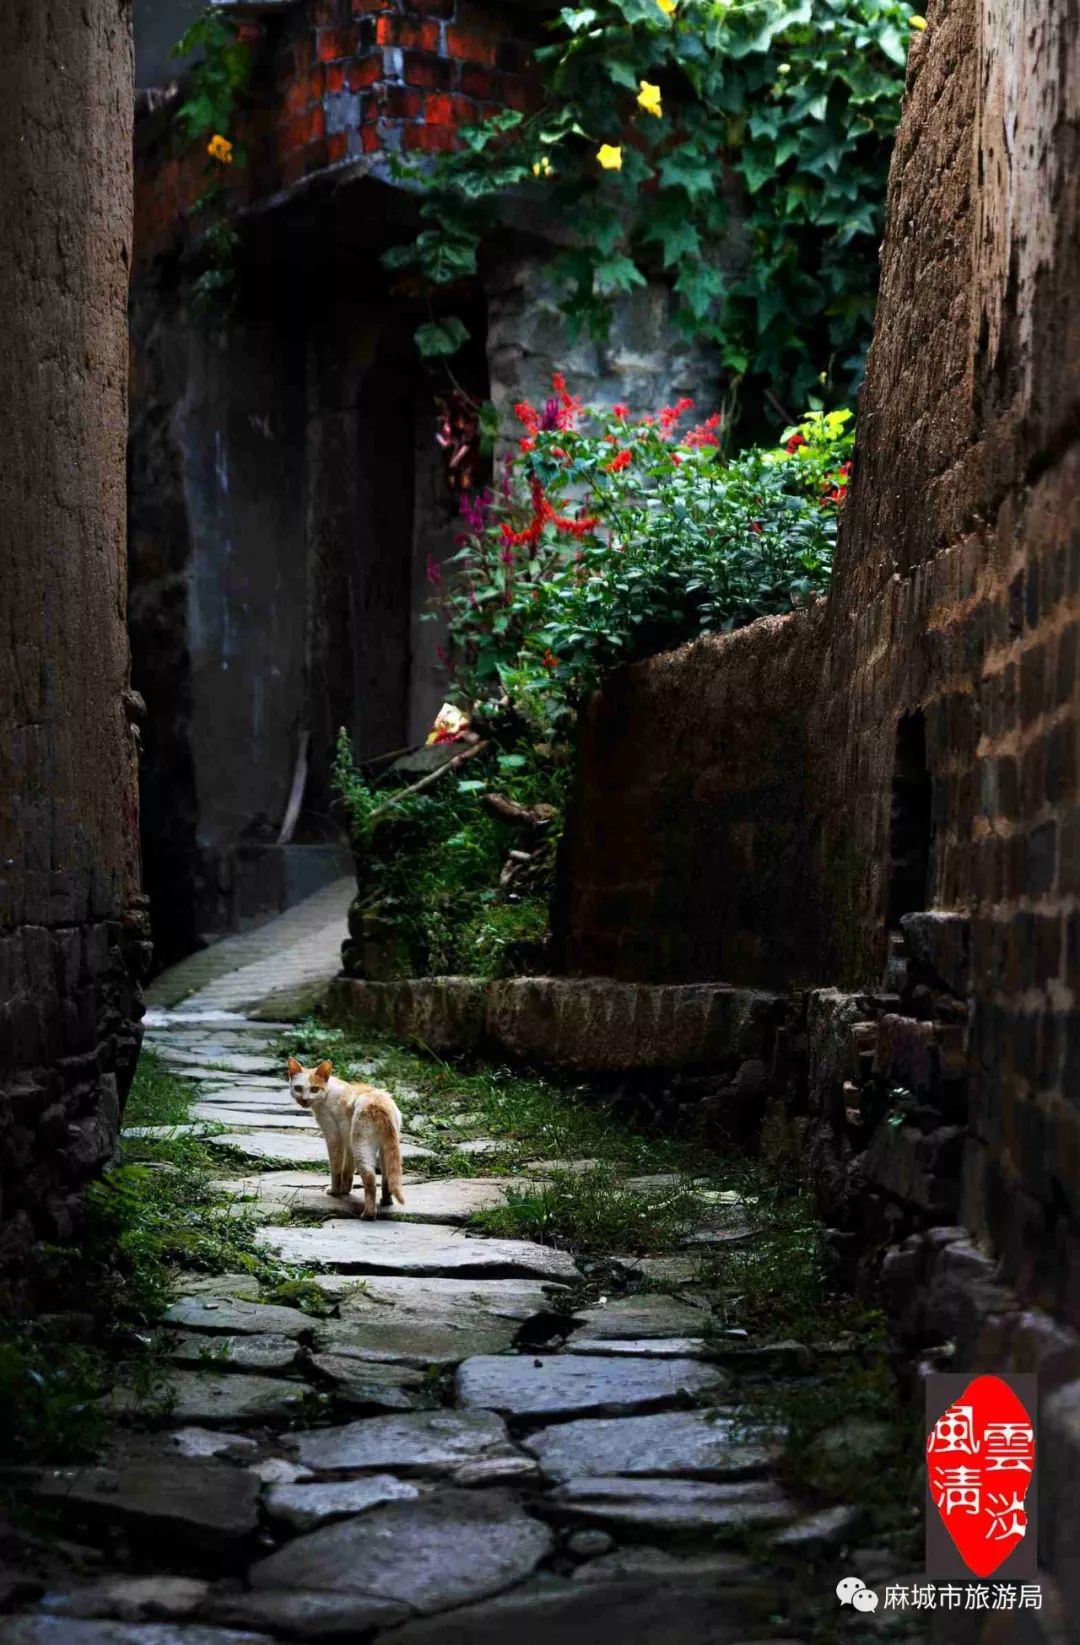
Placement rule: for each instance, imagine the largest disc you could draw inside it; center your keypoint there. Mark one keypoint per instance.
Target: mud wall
(70, 917)
(686, 849)
(957, 595)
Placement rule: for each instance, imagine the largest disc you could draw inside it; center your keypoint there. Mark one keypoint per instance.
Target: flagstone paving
(472, 1444)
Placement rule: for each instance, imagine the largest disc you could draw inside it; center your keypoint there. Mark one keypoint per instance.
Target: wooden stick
(425, 782)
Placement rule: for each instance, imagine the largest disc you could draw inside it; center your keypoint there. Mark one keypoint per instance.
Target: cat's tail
(389, 1150)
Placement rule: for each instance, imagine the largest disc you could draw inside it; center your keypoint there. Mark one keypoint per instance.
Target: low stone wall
(596, 1025)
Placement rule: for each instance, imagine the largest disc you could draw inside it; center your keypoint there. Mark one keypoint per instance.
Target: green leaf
(441, 338)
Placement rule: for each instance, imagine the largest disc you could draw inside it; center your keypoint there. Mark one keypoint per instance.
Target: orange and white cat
(362, 1127)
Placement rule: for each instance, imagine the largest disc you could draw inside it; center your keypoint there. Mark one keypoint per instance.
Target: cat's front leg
(338, 1186)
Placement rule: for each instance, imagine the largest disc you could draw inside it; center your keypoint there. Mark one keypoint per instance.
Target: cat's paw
(366, 1215)
(339, 1193)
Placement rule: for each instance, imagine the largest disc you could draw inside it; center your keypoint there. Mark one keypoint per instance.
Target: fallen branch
(426, 782)
(530, 816)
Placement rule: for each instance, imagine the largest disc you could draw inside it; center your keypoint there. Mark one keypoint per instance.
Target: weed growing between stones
(595, 1212)
(156, 1213)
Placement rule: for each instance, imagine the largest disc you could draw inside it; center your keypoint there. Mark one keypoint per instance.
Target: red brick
(440, 110)
(477, 82)
(431, 139)
(400, 31)
(337, 146)
(433, 73)
(294, 134)
(327, 13)
(365, 73)
(292, 167)
(371, 141)
(335, 77)
(516, 93)
(335, 43)
(432, 8)
(399, 103)
(469, 47)
(316, 84)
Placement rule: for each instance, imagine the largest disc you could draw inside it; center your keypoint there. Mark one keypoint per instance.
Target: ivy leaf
(440, 338)
(622, 73)
(618, 273)
(699, 285)
(673, 230)
(689, 169)
(578, 21)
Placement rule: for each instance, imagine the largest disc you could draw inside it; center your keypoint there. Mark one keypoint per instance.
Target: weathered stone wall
(687, 847)
(70, 917)
(939, 728)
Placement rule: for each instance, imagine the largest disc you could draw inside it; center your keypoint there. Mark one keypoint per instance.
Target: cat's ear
(294, 1068)
(324, 1070)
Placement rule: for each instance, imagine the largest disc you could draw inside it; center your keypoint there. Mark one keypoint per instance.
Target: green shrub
(609, 539)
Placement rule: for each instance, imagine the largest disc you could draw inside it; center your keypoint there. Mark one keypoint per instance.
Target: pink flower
(434, 571)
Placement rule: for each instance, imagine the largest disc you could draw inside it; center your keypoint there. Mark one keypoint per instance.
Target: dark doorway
(912, 821)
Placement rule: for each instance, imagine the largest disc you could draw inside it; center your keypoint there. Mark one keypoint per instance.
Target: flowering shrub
(608, 537)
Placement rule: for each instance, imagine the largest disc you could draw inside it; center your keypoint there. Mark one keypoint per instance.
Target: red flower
(550, 659)
(620, 411)
(525, 446)
(557, 451)
(621, 460)
(705, 434)
(795, 442)
(527, 415)
(756, 527)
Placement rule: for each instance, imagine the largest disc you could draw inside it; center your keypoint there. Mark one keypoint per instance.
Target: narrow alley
(440, 1434)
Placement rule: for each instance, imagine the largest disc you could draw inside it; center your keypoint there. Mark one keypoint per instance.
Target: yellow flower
(649, 98)
(667, 7)
(543, 167)
(219, 148)
(917, 22)
(610, 157)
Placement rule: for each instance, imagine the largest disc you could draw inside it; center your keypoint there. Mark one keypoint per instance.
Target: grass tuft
(595, 1213)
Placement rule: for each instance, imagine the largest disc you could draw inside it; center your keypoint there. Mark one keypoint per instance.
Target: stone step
(449, 1200)
(692, 1444)
(441, 1551)
(672, 1506)
(569, 1385)
(355, 1247)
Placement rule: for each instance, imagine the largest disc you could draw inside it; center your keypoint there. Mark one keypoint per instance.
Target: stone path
(413, 1465)
(299, 947)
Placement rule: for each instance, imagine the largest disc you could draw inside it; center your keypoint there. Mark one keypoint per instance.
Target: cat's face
(308, 1085)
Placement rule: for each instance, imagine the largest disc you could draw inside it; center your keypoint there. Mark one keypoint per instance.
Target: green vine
(217, 81)
(671, 132)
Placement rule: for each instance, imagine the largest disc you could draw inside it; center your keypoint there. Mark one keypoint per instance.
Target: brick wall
(70, 917)
(337, 82)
